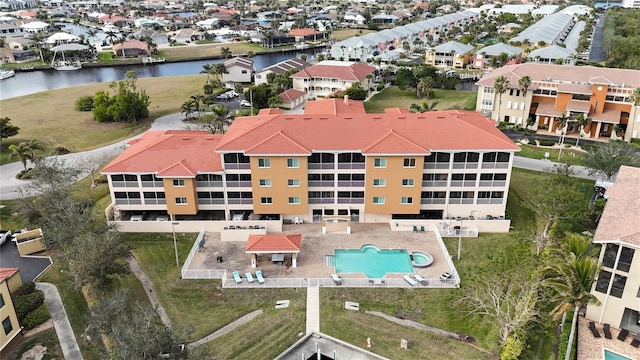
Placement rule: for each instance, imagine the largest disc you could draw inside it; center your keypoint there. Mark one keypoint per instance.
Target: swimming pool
(421, 259)
(610, 355)
(372, 261)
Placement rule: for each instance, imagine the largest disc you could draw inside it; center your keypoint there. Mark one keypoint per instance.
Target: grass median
(393, 97)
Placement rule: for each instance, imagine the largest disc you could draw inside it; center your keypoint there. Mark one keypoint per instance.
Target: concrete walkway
(313, 309)
(148, 288)
(68, 343)
(225, 329)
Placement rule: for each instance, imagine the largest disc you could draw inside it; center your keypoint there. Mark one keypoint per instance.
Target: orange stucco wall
(393, 190)
(173, 192)
(280, 191)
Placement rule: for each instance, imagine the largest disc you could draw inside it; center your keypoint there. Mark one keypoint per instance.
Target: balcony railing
(128, 202)
(350, 200)
(460, 201)
(436, 165)
(353, 183)
(490, 201)
(351, 166)
(495, 165)
(239, 184)
(321, 201)
(321, 183)
(492, 183)
(240, 201)
(237, 166)
(125, 184)
(432, 201)
(434, 183)
(158, 184)
(214, 184)
(462, 165)
(155, 201)
(212, 201)
(321, 166)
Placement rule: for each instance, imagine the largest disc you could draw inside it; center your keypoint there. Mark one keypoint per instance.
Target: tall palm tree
(206, 69)
(111, 35)
(524, 83)
(92, 34)
(197, 102)
(581, 120)
(223, 117)
(217, 70)
(563, 121)
(187, 108)
(226, 52)
(425, 87)
(500, 86)
(25, 151)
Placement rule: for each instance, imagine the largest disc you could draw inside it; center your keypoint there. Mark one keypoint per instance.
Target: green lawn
(569, 156)
(47, 338)
(393, 97)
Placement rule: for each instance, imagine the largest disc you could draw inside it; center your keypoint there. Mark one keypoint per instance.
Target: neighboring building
(280, 68)
(239, 70)
(482, 58)
(618, 284)
(450, 54)
(316, 345)
(277, 38)
(329, 76)
(602, 94)
(631, 3)
(402, 165)
(553, 54)
(508, 28)
(11, 333)
(334, 106)
(292, 98)
(130, 48)
(9, 30)
(384, 19)
(550, 30)
(307, 34)
(187, 35)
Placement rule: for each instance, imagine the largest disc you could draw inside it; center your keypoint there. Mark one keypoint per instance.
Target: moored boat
(4, 74)
(67, 66)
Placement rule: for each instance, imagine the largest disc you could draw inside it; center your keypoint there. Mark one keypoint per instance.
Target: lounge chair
(594, 331)
(444, 277)
(415, 229)
(623, 334)
(249, 277)
(336, 279)
(259, 277)
(606, 328)
(421, 228)
(420, 279)
(236, 277)
(636, 342)
(409, 280)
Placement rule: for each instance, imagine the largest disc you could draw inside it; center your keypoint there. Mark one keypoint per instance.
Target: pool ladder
(329, 261)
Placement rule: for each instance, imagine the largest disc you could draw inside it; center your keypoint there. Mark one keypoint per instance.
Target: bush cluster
(24, 304)
(29, 306)
(36, 317)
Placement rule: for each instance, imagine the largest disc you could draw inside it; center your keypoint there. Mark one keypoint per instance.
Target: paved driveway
(30, 267)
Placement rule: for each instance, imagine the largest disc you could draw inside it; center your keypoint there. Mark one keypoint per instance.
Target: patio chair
(259, 277)
(420, 279)
(409, 280)
(622, 336)
(594, 331)
(606, 328)
(636, 342)
(249, 277)
(444, 277)
(421, 228)
(415, 229)
(236, 277)
(336, 279)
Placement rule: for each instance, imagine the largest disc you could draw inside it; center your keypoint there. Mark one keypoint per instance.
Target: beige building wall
(279, 190)
(7, 311)
(188, 192)
(393, 174)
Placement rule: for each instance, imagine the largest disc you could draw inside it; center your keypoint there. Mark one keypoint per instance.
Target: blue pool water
(609, 355)
(372, 261)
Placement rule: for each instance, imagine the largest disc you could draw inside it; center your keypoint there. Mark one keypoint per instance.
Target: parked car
(223, 96)
(245, 103)
(4, 236)
(232, 94)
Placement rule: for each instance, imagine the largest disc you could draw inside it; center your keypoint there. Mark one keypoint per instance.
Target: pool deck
(311, 269)
(591, 348)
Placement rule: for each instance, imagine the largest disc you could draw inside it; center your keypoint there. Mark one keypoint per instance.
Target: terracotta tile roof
(584, 89)
(303, 32)
(541, 72)
(6, 273)
(334, 106)
(131, 44)
(611, 116)
(619, 223)
(169, 153)
(579, 105)
(393, 142)
(436, 130)
(397, 111)
(291, 94)
(343, 70)
(270, 111)
(279, 141)
(548, 109)
(274, 243)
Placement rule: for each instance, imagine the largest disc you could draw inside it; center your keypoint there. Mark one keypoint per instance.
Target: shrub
(26, 288)
(380, 87)
(25, 304)
(61, 150)
(546, 142)
(36, 317)
(84, 103)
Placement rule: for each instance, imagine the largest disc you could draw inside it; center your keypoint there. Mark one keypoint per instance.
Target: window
(380, 162)
(244, 71)
(293, 163)
(610, 254)
(294, 200)
(409, 162)
(626, 256)
(379, 182)
(406, 200)
(266, 200)
(265, 182)
(1, 301)
(293, 182)
(602, 284)
(378, 199)
(178, 182)
(407, 182)
(617, 288)
(181, 201)
(264, 163)
(6, 324)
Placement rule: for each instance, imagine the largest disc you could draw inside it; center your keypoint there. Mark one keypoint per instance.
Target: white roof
(61, 37)
(35, 25)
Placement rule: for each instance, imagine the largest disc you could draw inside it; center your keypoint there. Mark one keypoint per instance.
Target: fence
(345, 282)
(454, 272)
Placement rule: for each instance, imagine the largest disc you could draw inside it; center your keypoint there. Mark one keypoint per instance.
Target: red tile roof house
(307, 34)
(130, 48)
(292, 98)
(330, 76)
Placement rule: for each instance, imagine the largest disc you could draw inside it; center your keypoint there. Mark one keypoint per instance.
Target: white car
(245, 103)
(223, 96)
(232, 94)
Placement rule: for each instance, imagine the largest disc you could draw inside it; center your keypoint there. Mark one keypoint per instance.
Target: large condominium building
(603, 95)
(618, 284)
(327, 77)
(343, 162)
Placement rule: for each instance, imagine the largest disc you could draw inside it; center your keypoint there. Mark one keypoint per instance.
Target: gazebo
(276, 245)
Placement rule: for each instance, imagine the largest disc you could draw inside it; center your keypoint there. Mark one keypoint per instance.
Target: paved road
(541, 165)
(68, 343)
(597, 53)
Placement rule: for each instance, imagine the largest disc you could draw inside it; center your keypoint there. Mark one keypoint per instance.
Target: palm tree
(111, 35)
(217, 70)
(425, 87)
(524, 83)
(424, 107)
(92, 34)
(500, 86)
(635, 96)
(563, 120)
(581, 120)
(197, 102)
(25, 151)
(206, 69)
(223, 117)
(187, 108)
(226, 52)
